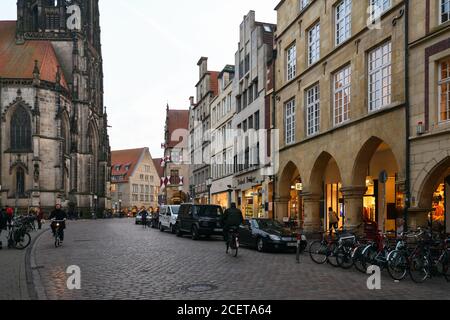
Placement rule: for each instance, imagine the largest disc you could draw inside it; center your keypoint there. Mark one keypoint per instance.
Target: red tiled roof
(17, 61)
(177, 119)
(215, 82)
(158, 167)
(123, 158)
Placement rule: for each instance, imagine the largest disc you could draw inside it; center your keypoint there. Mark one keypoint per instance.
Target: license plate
(292, 244)
(218, 230)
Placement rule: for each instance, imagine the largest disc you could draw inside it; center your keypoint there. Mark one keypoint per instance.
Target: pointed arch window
(20, 181)
(21, 130)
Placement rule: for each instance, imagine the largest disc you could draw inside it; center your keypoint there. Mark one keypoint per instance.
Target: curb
(35, 289)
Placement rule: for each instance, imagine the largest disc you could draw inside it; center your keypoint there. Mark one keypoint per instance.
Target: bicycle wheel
(358, 259)
(234, 247)
(418, 268)
(442, 266)
(344, 258)
(368, 257)
(333, 250)
(22, 241)
(397, 265)
(318, 252)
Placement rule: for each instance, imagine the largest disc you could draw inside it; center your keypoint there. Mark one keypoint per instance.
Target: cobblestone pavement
(13, 278)
(120, 260)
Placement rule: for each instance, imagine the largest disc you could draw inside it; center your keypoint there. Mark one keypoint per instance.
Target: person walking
(40, 217)
(144, 215)
(10, 215)
(333, 220)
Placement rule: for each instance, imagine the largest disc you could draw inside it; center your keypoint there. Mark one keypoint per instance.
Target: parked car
(199, 220)
(266, 234)
(168, 218)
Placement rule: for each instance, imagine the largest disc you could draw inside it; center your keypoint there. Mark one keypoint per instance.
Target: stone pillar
(312, 213)
(354, 206)
(281, 208)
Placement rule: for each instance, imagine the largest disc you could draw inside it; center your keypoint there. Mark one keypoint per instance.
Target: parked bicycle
(18, 236)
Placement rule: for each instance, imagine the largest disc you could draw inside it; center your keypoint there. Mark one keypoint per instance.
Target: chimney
(191, 100)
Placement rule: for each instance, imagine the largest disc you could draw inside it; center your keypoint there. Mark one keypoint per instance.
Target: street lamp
(95, 207)
(120, 206)
(209, 185)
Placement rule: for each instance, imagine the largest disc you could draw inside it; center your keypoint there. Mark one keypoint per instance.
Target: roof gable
(18, 61)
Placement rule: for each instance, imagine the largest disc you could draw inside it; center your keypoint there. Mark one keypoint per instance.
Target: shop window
(444, 90)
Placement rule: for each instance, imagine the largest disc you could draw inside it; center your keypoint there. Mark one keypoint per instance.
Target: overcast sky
(150, 53)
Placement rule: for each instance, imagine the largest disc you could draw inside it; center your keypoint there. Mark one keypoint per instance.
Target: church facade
(54, 141)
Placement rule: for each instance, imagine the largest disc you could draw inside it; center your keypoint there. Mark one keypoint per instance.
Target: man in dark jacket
(58, 215)
(232, 218)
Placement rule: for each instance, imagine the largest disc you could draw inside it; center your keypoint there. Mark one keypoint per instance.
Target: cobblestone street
(120, 260)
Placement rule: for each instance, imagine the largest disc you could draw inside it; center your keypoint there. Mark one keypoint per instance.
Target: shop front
(438, 215)
(220, 199)
(296, 205)
(253, 197)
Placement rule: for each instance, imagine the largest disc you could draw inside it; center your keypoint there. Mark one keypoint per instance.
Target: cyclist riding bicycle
(232, 219)
(58, 215)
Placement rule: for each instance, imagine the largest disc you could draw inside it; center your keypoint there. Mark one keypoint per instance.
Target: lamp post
(209, 185)
(94, 212)
(120, 206)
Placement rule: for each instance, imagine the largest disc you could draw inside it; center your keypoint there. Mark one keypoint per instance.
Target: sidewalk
(13, 279)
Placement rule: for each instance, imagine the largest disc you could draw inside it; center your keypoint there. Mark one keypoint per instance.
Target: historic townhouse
(199, 133)
(135, 180)
(175, 165)
(340, 101)
(251, 184)
(429, 85)
(223, 109)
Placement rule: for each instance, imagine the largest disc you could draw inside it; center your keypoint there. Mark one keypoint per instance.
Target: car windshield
(269, 224)
(210, 211)
(175, 209)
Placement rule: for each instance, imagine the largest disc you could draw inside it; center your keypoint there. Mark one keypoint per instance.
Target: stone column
(418, 217)
(312, 213)
(281, 208)
(354, 204)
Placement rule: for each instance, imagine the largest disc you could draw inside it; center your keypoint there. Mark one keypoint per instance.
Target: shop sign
(299, 187)
(383, 176)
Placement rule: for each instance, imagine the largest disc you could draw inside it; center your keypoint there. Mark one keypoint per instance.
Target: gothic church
(54, 141)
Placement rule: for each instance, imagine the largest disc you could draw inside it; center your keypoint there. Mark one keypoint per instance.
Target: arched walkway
(290, 202)
(376, 193)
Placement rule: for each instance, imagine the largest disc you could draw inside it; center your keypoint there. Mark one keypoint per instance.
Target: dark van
(199, 220)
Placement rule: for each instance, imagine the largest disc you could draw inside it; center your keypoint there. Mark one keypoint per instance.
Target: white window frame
(314, 44)
(441, 4)
(304, 4)
(442, 82)
(342, 84)
(345, 9)
(291, 62)
(312, 110)
(380, 77)
(289, 121)
(378, 8)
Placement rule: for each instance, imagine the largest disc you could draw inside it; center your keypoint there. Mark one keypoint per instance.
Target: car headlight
(304, 238)
(275, 238)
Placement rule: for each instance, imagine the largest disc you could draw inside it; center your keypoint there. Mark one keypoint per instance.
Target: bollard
(299, 242)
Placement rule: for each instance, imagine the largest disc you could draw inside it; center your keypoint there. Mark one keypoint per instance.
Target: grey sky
(150, 51)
